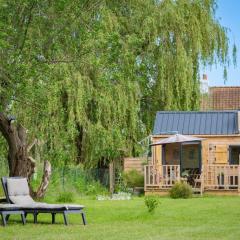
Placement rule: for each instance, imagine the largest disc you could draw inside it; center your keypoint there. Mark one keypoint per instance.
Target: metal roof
(196, 123)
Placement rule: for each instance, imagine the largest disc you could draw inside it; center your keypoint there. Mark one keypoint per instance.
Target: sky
(228, 14)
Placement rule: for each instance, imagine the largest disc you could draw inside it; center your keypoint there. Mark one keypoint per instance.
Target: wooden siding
(215, 149)
(158, 154)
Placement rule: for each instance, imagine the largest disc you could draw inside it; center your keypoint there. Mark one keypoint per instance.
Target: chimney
(204, 84)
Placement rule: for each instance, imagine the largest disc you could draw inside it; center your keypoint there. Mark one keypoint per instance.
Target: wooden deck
(213, 178)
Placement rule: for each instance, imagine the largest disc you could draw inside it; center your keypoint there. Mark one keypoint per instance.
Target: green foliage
(75, 180)
(151, 203)
(87, 78)
(133, 178)
(65, 197)
(181, 190)
(95, 189)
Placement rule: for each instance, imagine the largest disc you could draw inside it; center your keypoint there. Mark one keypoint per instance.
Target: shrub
(152, 203)
(65, 197)
(95, 188)
(181, 190)
(134, 179)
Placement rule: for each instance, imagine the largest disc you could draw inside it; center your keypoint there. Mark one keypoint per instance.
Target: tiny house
(203, 150)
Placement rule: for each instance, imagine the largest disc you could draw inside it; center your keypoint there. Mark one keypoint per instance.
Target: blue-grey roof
(199, 123)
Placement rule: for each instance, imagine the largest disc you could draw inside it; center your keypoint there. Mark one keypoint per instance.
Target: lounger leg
(7, 217)
(23, 218)
(65, 218)
(3, 219)
(84, 218)
(35, 217)
(53, 218)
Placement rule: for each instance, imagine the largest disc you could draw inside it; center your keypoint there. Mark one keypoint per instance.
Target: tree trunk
(19, 161)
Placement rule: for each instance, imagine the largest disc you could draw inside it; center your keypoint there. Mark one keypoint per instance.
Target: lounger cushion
(21, 200)
(17, 187)
(47, 206)
(18, 191)
(9, 207)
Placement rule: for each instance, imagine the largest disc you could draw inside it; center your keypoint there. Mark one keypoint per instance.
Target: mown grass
(196, 218)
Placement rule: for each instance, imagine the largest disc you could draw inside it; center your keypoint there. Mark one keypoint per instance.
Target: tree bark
(45, 181)
(19, 161)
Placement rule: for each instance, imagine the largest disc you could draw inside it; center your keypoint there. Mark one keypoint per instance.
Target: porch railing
(151, 176)
(161, 176)
(225, 177)
(213, 177)
(170, 175)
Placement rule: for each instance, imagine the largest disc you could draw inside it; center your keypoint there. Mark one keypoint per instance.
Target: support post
(3, 219)
(23, 218)
(65, 218)
(202, 180)
(181, 148)
(53, 218)
(35, 217)
(239, 179)
(7, 217)
(145, 177)
(84, 218)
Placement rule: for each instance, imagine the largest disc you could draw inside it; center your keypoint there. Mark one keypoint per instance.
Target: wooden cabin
(209, 165)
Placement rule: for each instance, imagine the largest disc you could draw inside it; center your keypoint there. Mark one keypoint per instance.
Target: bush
(133, 179)
(181, 190)
(95, 188)
(152, 203)
(77, 180)
(65, 197)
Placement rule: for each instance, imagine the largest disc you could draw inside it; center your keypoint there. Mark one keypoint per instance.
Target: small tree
(152, 203)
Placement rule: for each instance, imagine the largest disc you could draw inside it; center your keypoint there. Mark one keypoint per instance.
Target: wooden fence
(134, 163)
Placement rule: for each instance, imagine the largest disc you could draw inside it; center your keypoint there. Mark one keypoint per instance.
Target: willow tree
(171, 39)
(29, 43)
(87, 77)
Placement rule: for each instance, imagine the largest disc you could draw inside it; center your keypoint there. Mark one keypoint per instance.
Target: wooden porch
(212, 178)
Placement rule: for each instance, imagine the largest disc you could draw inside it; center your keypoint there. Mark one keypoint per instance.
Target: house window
(234, 154)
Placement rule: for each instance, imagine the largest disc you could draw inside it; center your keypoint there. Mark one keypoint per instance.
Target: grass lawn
(196, 218)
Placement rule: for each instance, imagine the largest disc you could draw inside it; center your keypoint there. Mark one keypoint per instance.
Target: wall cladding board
(215, 149)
